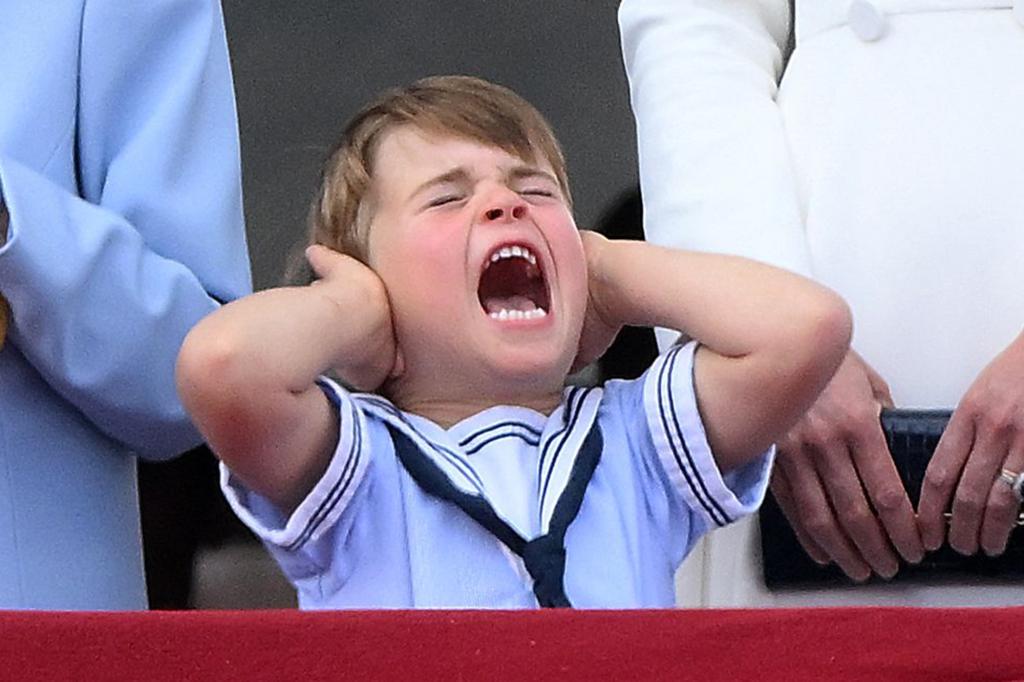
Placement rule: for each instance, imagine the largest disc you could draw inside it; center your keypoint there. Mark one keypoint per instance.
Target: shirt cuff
(681, 442)
(324, 504)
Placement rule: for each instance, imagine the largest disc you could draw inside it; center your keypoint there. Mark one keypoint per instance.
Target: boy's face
(483, 265)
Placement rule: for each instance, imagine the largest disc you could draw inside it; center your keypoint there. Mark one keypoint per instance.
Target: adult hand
(827, 462)
(598, 330)
(984, 436)
(341, 278)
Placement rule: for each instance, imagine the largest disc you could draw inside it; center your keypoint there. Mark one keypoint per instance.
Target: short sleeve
(681, 446)
(304, 543)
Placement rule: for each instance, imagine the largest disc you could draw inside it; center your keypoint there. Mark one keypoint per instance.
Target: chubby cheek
(425, 282)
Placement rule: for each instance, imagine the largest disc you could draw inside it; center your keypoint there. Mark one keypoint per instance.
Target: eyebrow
(461, 175)
(454, 176)
(528, 172)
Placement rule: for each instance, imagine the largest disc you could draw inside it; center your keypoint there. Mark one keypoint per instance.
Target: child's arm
(770, 339)
(246, 373)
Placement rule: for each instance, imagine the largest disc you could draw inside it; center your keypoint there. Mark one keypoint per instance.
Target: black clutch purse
(912, 436)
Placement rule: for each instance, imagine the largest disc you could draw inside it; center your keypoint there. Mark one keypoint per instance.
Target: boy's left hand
(599, 329)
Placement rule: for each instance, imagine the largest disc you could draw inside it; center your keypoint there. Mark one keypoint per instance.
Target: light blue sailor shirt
(368, 536)
(119, 166)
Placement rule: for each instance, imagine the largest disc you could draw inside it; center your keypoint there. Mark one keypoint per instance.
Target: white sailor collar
(558, 437)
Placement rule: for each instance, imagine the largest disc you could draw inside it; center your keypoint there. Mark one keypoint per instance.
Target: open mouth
(512, 285)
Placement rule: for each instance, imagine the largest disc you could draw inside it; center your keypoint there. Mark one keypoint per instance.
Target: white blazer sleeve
(715, 170)
(105, 282)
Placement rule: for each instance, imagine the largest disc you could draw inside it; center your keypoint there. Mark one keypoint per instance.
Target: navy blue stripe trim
(466, 441)
(543, 556)
(522, 436)
(433, 481)
(686, 449)
(329, 392)
(337, 490)
(554, 458)
(571, 499)
(319, 513)
(575, 391)
(700, 490)
(455, 458)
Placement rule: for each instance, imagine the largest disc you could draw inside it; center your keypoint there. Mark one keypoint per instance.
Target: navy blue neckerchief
(544, 556)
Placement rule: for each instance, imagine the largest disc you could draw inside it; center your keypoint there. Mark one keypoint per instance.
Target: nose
(504, 206)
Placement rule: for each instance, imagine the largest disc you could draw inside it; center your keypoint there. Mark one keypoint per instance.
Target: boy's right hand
(361, 296)
(835, 455)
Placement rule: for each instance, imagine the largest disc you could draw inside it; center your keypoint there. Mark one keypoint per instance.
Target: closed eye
(442, 200)
(539, 192)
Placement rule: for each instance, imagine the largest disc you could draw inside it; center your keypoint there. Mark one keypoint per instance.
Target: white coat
(888, 163)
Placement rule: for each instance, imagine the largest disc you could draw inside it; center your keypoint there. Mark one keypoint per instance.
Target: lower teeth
(517, 314)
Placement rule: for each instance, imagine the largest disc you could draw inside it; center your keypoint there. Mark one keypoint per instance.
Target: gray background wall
(302, 68)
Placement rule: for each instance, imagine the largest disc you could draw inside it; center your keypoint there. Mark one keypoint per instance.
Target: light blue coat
(119, 165)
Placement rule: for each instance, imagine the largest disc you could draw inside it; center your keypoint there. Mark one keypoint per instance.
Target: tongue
(495, 304)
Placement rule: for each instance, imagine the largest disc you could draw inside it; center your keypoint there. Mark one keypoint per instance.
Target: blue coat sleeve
(106, 273)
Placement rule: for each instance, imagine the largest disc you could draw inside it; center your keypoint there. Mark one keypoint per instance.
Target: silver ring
(1015, 481)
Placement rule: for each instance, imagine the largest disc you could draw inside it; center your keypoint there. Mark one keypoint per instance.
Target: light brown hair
(458, 106)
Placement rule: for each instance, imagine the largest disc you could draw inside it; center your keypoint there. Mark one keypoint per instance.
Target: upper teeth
(513, 252)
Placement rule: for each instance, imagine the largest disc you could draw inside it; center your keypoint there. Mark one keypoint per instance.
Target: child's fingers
(326, 261)
(319, 259)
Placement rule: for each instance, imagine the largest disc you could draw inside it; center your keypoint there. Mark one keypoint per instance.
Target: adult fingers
(879, 386)
(855, 515)
(1003, 507)
(783, 495)
(972, 492)
(888, 497)
(941, 477)
(815, 515)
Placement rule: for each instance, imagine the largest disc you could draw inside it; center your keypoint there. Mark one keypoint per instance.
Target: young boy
(472, 477)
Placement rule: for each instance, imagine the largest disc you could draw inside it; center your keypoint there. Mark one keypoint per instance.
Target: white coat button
(867, 20)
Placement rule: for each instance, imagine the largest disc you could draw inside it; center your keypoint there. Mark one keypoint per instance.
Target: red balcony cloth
(757, 645)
